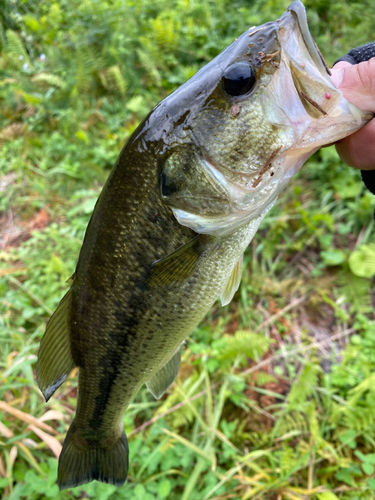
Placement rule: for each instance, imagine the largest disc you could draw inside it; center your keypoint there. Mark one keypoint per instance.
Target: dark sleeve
(355, 56)
(359, 54)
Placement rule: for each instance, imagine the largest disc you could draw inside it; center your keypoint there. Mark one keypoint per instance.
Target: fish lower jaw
(221, 225)
(342, 121)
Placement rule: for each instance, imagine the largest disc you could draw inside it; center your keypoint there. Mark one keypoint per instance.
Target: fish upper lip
(298, 11)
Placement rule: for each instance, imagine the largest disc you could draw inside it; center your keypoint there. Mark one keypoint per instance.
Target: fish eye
(239, 78)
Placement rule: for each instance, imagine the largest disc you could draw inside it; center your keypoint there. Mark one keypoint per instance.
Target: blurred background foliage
(276, 395)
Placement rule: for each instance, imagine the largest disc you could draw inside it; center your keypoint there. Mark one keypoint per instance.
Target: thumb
(357, 83)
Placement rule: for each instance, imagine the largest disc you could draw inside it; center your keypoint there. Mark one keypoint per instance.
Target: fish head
(229, 140)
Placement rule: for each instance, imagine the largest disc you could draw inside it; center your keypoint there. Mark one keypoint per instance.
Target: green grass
(276, 394)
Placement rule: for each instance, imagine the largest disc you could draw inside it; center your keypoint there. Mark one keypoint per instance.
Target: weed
(275, 397)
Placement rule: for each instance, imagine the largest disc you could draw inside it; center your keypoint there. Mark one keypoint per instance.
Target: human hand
(357, 83)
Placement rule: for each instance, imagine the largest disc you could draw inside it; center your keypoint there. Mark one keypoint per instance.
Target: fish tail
(81, 462)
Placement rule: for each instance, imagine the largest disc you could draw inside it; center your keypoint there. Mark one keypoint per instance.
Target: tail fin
(82, 462)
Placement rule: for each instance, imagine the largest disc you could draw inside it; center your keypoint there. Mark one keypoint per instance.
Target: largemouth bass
(166, 239)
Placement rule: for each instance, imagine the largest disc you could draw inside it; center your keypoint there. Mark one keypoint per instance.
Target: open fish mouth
(308, 68)
(297, 9)
(303, 97)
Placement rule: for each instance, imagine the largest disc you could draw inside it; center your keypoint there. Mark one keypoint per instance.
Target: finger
(357, 83)
(337, 73)
(341, 64)
(358, 150)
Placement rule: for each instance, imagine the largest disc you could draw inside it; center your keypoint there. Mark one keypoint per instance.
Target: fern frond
(366, 385)
(115, 80)
(87, 65)
(180, 418)
(152, 52)
(164, 31)
(358, 413)
(305, 384)
(15, 48)
(356, 292)
(250, 344)
(359, 418)
(50, 79)
(136, 104)
(264, 378)
(291, 420)
(149, 66)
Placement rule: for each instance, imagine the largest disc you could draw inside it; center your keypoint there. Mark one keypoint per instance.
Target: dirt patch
(14, 231)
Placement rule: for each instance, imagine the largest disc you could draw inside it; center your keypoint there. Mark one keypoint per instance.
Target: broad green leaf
(362, 261)
(327, 495)
(164, 488)
(347, 187)
(333, 257)
(368, 468)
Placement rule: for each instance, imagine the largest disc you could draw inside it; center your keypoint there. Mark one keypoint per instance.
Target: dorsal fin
(165, 376)
(233, 283)
(55, 360)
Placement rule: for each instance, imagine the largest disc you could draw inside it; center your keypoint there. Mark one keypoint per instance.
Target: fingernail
(337, 77)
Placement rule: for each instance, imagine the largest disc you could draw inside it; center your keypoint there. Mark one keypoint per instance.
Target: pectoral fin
(165, 376)
(233, 283)
(179, 265)
(55, 360)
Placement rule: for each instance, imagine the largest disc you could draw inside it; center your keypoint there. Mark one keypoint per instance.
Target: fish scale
(167, 235)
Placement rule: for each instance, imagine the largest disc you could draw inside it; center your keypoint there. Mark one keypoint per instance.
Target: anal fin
(165, 376)
(55, 360)
(233, 283)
